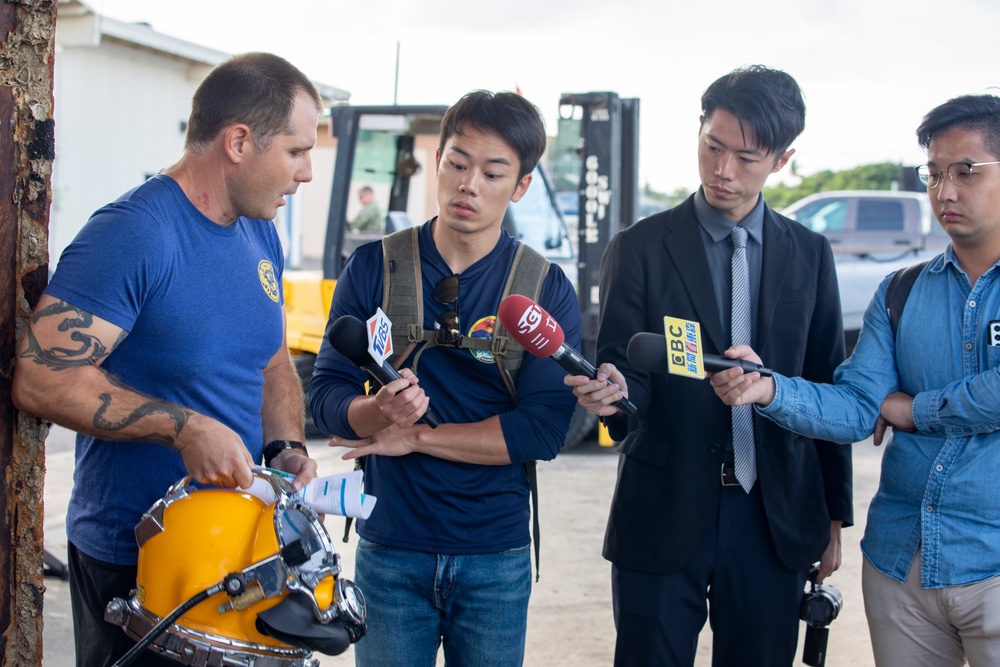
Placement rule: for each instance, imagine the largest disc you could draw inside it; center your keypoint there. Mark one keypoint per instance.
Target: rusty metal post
(27, 147)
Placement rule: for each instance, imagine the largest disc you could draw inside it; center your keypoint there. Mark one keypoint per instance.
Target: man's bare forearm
(104, 422)
(90, 400)
(283, 411)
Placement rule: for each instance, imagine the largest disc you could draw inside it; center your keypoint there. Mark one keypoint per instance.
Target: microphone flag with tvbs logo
(379, 336)
(367, 347)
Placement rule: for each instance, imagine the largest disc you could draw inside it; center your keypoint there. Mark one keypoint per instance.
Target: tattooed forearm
(178, 414)
(90, 351)
(157, 438)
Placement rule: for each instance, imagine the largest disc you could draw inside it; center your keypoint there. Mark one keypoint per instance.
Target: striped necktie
(745, 456)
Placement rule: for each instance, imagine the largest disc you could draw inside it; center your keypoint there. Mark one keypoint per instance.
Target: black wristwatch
(275, 447)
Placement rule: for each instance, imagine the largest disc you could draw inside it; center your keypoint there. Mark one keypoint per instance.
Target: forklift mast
(345, 124)
(609, 190)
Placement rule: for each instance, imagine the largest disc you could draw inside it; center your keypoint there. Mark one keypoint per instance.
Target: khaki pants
(940, 627)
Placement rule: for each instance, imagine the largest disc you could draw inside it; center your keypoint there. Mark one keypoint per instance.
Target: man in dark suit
(693, 534)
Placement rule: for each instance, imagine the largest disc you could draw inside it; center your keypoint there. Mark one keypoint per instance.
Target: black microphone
(349, 336)
(539, 333)
(648, 352)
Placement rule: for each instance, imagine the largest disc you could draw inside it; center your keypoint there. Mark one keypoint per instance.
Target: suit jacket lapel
(683, 242)
(775, 264)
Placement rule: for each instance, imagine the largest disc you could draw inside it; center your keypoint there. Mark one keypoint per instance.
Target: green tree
(652, 201)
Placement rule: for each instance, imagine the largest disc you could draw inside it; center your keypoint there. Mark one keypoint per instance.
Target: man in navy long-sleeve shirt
(445, 555)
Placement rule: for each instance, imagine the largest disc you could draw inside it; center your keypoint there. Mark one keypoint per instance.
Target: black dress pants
(735, 581)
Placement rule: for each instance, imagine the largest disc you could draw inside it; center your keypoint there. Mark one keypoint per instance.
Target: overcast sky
(869, 69)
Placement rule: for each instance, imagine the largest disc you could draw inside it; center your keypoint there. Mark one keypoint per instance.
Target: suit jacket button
(715, 448)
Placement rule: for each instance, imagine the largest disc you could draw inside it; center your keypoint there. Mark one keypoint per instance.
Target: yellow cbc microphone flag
(684, 356)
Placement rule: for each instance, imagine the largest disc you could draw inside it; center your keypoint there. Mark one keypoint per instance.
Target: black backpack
(898, 291)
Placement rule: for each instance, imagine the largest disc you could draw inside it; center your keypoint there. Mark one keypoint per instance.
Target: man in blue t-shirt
(161, 339)
(445, 556)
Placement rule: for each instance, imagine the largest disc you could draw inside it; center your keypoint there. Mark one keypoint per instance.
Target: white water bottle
(337, 494)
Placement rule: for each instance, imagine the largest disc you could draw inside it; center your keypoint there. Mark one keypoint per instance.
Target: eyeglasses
(960, 174)
(446, 326)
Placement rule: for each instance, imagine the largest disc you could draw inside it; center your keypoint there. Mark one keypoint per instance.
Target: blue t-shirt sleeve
(112, 265)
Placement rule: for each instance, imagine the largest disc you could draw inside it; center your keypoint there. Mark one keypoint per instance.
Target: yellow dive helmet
(227, 579)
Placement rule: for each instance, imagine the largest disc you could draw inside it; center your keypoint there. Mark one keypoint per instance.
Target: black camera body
(820, 606)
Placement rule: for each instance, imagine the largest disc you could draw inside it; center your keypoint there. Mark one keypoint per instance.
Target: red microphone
(539, 333)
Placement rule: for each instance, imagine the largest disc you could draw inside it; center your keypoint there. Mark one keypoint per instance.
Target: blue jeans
(476, 606)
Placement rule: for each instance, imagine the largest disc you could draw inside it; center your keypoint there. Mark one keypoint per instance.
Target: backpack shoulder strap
(898, 291)
(526, 276)
(402, 293)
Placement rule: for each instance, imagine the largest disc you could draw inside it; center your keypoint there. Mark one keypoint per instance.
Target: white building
(122, 100)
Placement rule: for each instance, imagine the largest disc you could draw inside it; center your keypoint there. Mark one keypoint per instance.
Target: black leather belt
(729, 475)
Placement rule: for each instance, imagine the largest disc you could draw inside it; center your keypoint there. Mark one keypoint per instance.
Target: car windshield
(539, 223)
(825, 215)
(569, 202)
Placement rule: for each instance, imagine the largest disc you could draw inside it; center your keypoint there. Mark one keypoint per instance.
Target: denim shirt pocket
(992, 355)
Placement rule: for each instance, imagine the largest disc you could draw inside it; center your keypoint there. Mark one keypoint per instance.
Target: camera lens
(816, 611)
(820, 606)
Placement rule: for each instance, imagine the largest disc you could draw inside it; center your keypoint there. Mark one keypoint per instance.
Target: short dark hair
(258, 89)
(508, 115)
(977, 113)
(768, 100)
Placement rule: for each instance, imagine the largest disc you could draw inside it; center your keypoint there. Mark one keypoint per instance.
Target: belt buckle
(729, 475)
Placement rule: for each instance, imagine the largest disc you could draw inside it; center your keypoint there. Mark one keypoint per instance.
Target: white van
(872, 233)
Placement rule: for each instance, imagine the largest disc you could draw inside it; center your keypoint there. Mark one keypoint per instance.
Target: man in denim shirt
(932, 543)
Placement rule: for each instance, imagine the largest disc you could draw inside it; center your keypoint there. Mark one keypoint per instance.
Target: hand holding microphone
(349, 336)
(539, 333)
(648, 352)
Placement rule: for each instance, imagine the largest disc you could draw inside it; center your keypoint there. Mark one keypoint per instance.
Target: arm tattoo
(178, 414)
(90, 350)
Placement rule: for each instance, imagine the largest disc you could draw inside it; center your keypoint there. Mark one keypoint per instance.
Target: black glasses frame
(447, 329)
